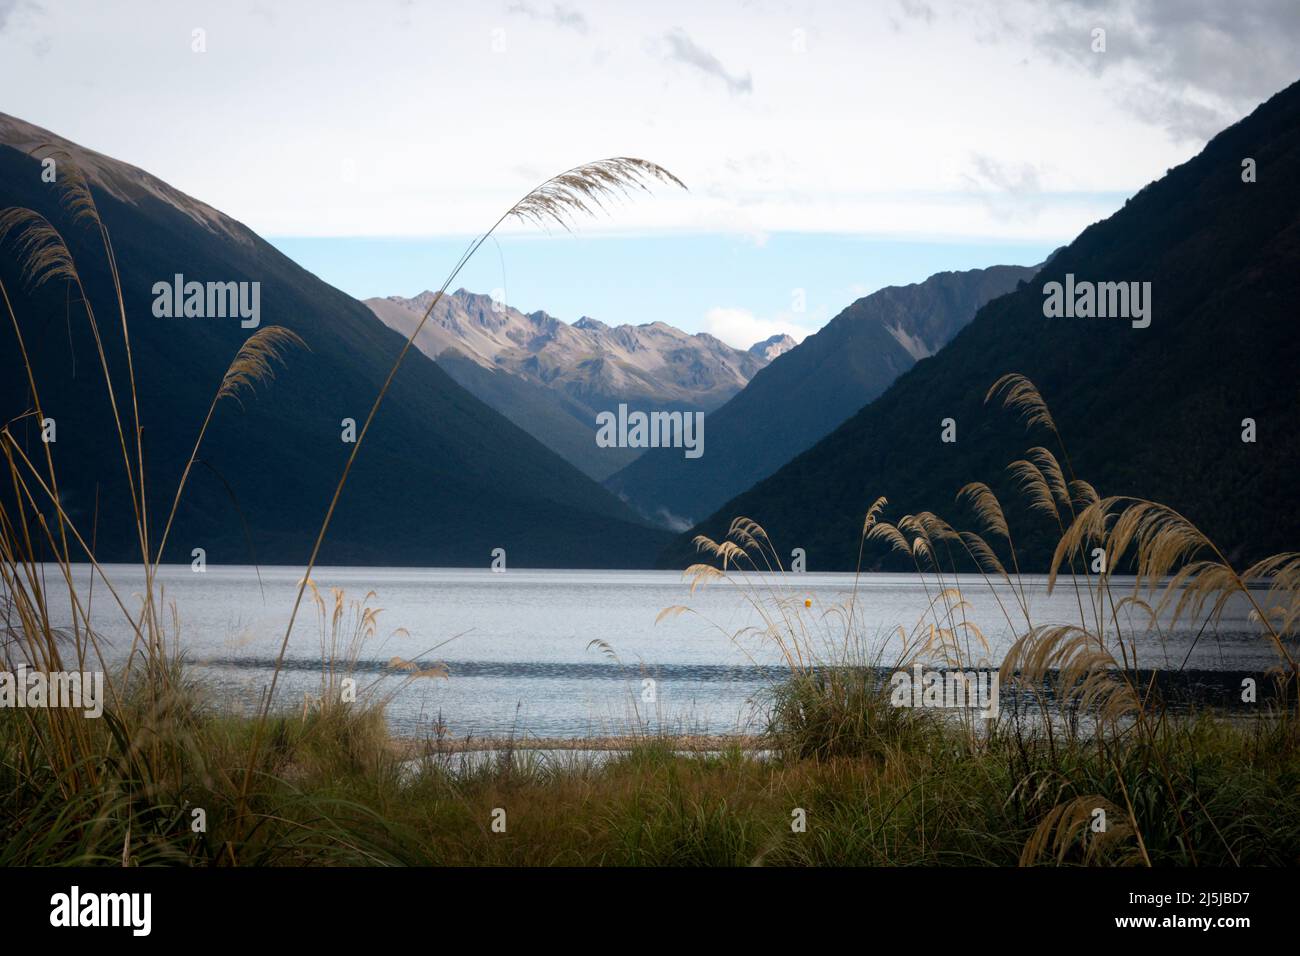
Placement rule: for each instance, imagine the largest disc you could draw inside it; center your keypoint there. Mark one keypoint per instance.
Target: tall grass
(1134, 758)
(169, 777)
(122, 788)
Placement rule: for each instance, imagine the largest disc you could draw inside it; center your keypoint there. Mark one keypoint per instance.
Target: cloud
(560, 15)
(916, 10)
(741, 328)
(1191, 67)
(7, 7)
(1010, 190)
(1181, 117)
(682, 49)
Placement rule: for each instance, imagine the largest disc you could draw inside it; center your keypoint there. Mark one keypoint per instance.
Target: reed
(154, 741)
(835, 701)
(325, 784)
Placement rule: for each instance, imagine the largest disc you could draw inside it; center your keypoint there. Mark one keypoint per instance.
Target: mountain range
(809, 390)
(1195, 404)
(443, 479)
(552, 378)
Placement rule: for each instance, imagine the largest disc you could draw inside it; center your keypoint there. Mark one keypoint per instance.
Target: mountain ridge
(443, 478)
(1157, 412)
(510, 358)
(809, 390)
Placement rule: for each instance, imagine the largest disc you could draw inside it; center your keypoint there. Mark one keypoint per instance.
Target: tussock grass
(1171, 787)
(324, 784)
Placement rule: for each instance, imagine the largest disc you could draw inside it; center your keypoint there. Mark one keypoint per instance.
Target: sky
(828, 148)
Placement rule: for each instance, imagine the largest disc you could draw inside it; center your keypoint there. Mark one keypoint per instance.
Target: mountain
(551, 378)
(806, 392)
(772, 347)
(1154, 411)
(442, 479)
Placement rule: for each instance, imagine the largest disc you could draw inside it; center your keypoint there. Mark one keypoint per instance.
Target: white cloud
(682, 49)
(559, 15)
(1174, 65)
(867, 126)
(741, 328)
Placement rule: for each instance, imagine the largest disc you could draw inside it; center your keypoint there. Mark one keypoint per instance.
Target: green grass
(166, 777)
(332, 789)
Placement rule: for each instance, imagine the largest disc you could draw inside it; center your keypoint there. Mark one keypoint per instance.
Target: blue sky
(725, 284)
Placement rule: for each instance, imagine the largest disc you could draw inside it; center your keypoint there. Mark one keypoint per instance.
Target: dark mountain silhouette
(1155, 412)
(806, 392)
(442, 479)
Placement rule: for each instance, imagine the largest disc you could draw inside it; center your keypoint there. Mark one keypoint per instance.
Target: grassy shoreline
(333, 788)
(679, 743)
(847, 776)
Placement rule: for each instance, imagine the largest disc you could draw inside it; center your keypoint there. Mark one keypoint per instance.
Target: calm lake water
(518, 646)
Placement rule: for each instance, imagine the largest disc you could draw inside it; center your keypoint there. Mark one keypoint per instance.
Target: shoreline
(681, 743)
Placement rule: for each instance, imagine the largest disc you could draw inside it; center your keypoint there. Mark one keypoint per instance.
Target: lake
(518, 646)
